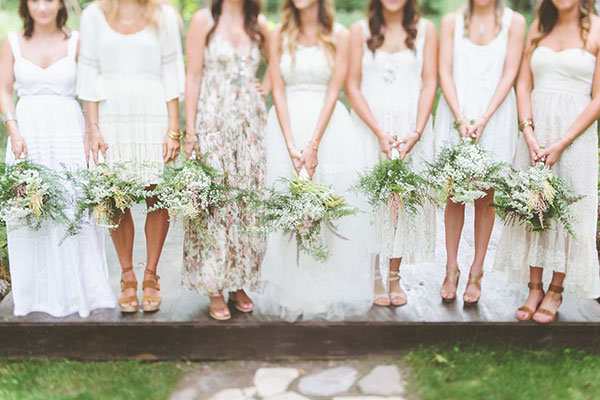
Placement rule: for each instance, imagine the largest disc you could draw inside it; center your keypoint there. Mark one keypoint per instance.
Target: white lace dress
(561, 91)
(343, 285)
(132, 76)
(391, 84)
(47, 276)
(477, 70)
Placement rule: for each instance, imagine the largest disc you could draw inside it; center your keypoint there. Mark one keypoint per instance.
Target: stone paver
(272, 381)
(229, 394)
(329, 382)
(287, 396)
(382, 380)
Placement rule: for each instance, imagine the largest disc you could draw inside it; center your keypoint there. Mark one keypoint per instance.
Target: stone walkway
(369, 379)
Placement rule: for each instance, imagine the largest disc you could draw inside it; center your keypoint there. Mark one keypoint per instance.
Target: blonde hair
(151, 8)
(290, 28)
(468, 12)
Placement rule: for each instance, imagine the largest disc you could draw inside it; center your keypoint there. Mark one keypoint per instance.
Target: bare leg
(397, 294)
(156, 229)
(122, 238)
(484, 223)
(380, 296)
(552, 300)
(535, 295)
(454, 219)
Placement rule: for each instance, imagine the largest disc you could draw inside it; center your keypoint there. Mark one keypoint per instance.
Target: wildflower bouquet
(29, 195)
(302, 211)
(189, 192)
(463, 172)
(534, 197)
(105, 194)
(393, 184)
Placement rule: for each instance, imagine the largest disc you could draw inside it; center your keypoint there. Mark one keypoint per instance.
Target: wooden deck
(182, 328)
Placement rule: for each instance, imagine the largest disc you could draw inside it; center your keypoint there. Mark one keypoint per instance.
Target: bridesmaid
(224, 108)
(558, 95)
(395, 51)
(47, 127)
(480, 51)
(131, 76)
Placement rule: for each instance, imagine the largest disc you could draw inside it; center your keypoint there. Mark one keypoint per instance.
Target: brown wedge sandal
(125, 302)
(219, 314)
(553, 315)
(529, 311)
(153, 284)
(476, 281)
(399, 298)
(450, 278)
(241, 306)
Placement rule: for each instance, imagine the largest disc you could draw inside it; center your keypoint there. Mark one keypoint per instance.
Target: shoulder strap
(365, 27)
(13, 40)
(459, 26)
(72, 45)
(507, 18)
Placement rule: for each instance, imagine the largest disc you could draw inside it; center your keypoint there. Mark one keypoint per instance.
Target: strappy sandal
(397, 299)
(553, 315)
(382, 299)
(221, 314)
(450, 278)
(242, 306)
(529, 311)
(125, 302)
(476, 281)
(147, 301)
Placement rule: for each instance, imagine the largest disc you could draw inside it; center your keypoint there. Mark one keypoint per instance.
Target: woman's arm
(280, 100)
(354, 95)
(342, 48)
(194, 50)
(514, 54)
(446, 72)
(7, 105)
(428, 92)
(265, 86)
(589, 115)
(524, 88)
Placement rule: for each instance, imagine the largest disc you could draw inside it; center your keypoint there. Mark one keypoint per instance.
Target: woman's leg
(536, 294)
(398, 296)
(552, 300)
(454, 219)
(122, 238)
(484, 223)
(380, 296)
(156, 229)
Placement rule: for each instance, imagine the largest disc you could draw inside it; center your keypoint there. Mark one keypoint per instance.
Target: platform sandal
(553, 315)
(220, 314)
(382, 299)
(147, 301)
(450, 278)
(398, 298)
(529, 311)
(241, 306)
(125, 302)
(476, 281)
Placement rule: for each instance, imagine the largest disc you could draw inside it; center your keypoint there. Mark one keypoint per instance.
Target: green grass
(48, 380)
(486, 373)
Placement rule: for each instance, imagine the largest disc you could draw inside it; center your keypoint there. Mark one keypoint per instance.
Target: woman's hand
(386, 143)
(310, 159)
(476, 130)
(552, 154)
(86, 147)
(191, 145)
(97, 144)
(296, 157)
(260, 88)
(408, 143)
(18, 145)
(534, 147)
(170, 148)
(464, 128)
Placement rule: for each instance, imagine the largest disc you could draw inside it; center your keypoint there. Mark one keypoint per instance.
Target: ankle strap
(129, 269)
(556, 289)
(394, 276)
(151, 273)
(473, 279)
(535, 286)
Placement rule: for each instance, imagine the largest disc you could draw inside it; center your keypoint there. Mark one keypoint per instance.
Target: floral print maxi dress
(230, 124)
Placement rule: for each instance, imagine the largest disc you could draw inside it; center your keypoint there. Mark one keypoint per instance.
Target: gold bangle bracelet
(524, 124)
(174, 135)
(315, 147)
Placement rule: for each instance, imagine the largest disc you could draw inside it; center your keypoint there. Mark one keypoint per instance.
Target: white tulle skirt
(342, 286)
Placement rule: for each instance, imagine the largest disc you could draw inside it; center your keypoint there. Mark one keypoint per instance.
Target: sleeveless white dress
(391, 84)
(132, 76)
(46, 277)
(477, 70)
(342, 286)
(562, 87)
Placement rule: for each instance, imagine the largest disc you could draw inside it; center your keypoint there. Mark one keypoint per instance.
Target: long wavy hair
(547, 16)
(410, 20)
(61, 18)
(151, 8)
(251, 12)
(290, 27)
(468, 13)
